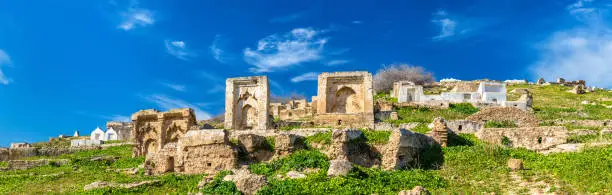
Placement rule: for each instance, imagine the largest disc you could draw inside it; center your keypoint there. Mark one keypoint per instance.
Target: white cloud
(281, 51)
(176, 87)
(4, 60)
(178, 49)
(337, 62)
(136, 17)
(584, 52)
(447, 25)
(216, 51)
(309, 76)
(119, 118)
(166, 103)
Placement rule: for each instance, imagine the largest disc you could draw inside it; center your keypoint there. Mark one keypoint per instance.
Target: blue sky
(71, 65)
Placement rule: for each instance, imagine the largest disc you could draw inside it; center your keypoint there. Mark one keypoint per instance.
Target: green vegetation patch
(359, 181)
(376, 137)
(426, 114)
(500, 124)
(3, 164)
(321, 137)
(297, 161)
(218, 186)
(385, 96)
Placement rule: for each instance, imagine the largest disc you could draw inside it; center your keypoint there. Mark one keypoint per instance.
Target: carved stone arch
(345, 101)
(150, 146)
(249, 117)
(173, 133)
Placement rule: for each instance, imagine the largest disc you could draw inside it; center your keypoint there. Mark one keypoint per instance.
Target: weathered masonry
(154, 130)
(247, 100)
(345, 99)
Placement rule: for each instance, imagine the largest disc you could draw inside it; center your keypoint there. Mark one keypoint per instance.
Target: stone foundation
(532, 138)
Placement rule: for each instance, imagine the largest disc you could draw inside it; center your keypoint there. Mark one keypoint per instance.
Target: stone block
(532, 138)
(247, 103)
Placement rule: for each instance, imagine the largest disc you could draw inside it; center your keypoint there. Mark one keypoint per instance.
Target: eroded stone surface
(153, 129)
(532, 138)
(404, 148)
(439, 132)
(345, 99)
(247, 103)
(206, 151)
(339, 168)
(285, 144)
(246, 182)
(515, 164)
(417, 190)
(520, 117)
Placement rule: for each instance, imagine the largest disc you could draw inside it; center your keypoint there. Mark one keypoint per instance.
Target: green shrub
(421, 128)
(359, 181)
(321, 137)
(464, 108)
(218, 186)
(385, 96)
(297, 161)
(500, 124)
(377, 137)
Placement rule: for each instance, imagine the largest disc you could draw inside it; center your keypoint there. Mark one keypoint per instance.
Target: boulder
(246, 182)
(295, 175)
(285, 144)
(255, 146)
(417, 190)
(515, 164)
(404, 148)
(339, 168)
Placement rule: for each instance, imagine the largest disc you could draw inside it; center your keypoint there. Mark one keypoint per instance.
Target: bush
(377, 137)
(465, 108)
(320, 137)
(218, 186)
(385, 77)
(297, 161)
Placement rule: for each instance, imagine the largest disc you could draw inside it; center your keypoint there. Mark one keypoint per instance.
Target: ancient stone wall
(345, 99)
(26, 164)
(520, 117)
(123, 129)
(18, 153)
(154, 129)
(20, 145)
(404, 149)
(532, 138)
(286, 143)
(247, 103)
(587, 123)
(464, 126)
(4, 154)
(205, 151)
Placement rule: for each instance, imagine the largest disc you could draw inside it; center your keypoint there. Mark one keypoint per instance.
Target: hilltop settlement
(354, 127)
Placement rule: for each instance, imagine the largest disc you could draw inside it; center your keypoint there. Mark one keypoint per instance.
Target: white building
(97, 134)
(493, 93)
(110, 134)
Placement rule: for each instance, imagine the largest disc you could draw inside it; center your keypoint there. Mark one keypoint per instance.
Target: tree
(385, 77)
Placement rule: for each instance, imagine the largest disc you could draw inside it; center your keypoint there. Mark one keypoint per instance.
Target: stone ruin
(205, 151)
(123, 129)
(154, 130)
(520, 117)
(20, 145)
(345, 99)
(440, 131)
(295, 110)
(403, 150)
(532, 138)
(247, 103)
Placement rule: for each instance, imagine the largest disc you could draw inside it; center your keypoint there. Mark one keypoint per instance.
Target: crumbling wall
(153, 129)
(439, 132)
(26, 164)
(286, 143)
(532, 138)
(349, 145)
(123, 129)
(405, 148)
(345, 99)
(464, 126)
(247, 103)
(20, 145)
(255, 147)
(205, 151)
(520, 117)
(4, 154)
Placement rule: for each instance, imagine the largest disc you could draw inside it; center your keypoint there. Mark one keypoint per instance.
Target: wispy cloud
(216, 89)
(5, 60)
(216, 51)
(166, 103)
(119, 118)
(281, 51)
(357, 22)
(447, 25)
(136, 17)
(337, 62)
(309, 76)
(288, 18)
(176, 87)
(277, 86)
(178, 49)
(584, 52)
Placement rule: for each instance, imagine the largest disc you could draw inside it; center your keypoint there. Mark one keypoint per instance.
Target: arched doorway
(345, 101)
(249, 117)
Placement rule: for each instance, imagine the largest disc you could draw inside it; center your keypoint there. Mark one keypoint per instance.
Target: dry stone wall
(532, 138)
(206, 151)
(520, 117)
(123, 129)
(153, 130)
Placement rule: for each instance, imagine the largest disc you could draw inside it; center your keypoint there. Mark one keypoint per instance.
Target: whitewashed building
(110, 134)
(97, 134)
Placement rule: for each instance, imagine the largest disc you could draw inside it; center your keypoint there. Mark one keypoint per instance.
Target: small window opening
(460, 127)
(208, 164)
(339, 122)
(539, 140)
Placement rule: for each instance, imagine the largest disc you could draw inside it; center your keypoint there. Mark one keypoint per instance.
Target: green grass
(218, 186)
(385, 96)
(589, 138)
(297, 161)
(500, 124)
(271, 142)
(426, 114)
(421, 128)
(321, 137)
(3, 164)
(359, 181)
(376, 137)
(554, 102)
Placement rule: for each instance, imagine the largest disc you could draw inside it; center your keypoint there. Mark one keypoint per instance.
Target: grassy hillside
(469, 166)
